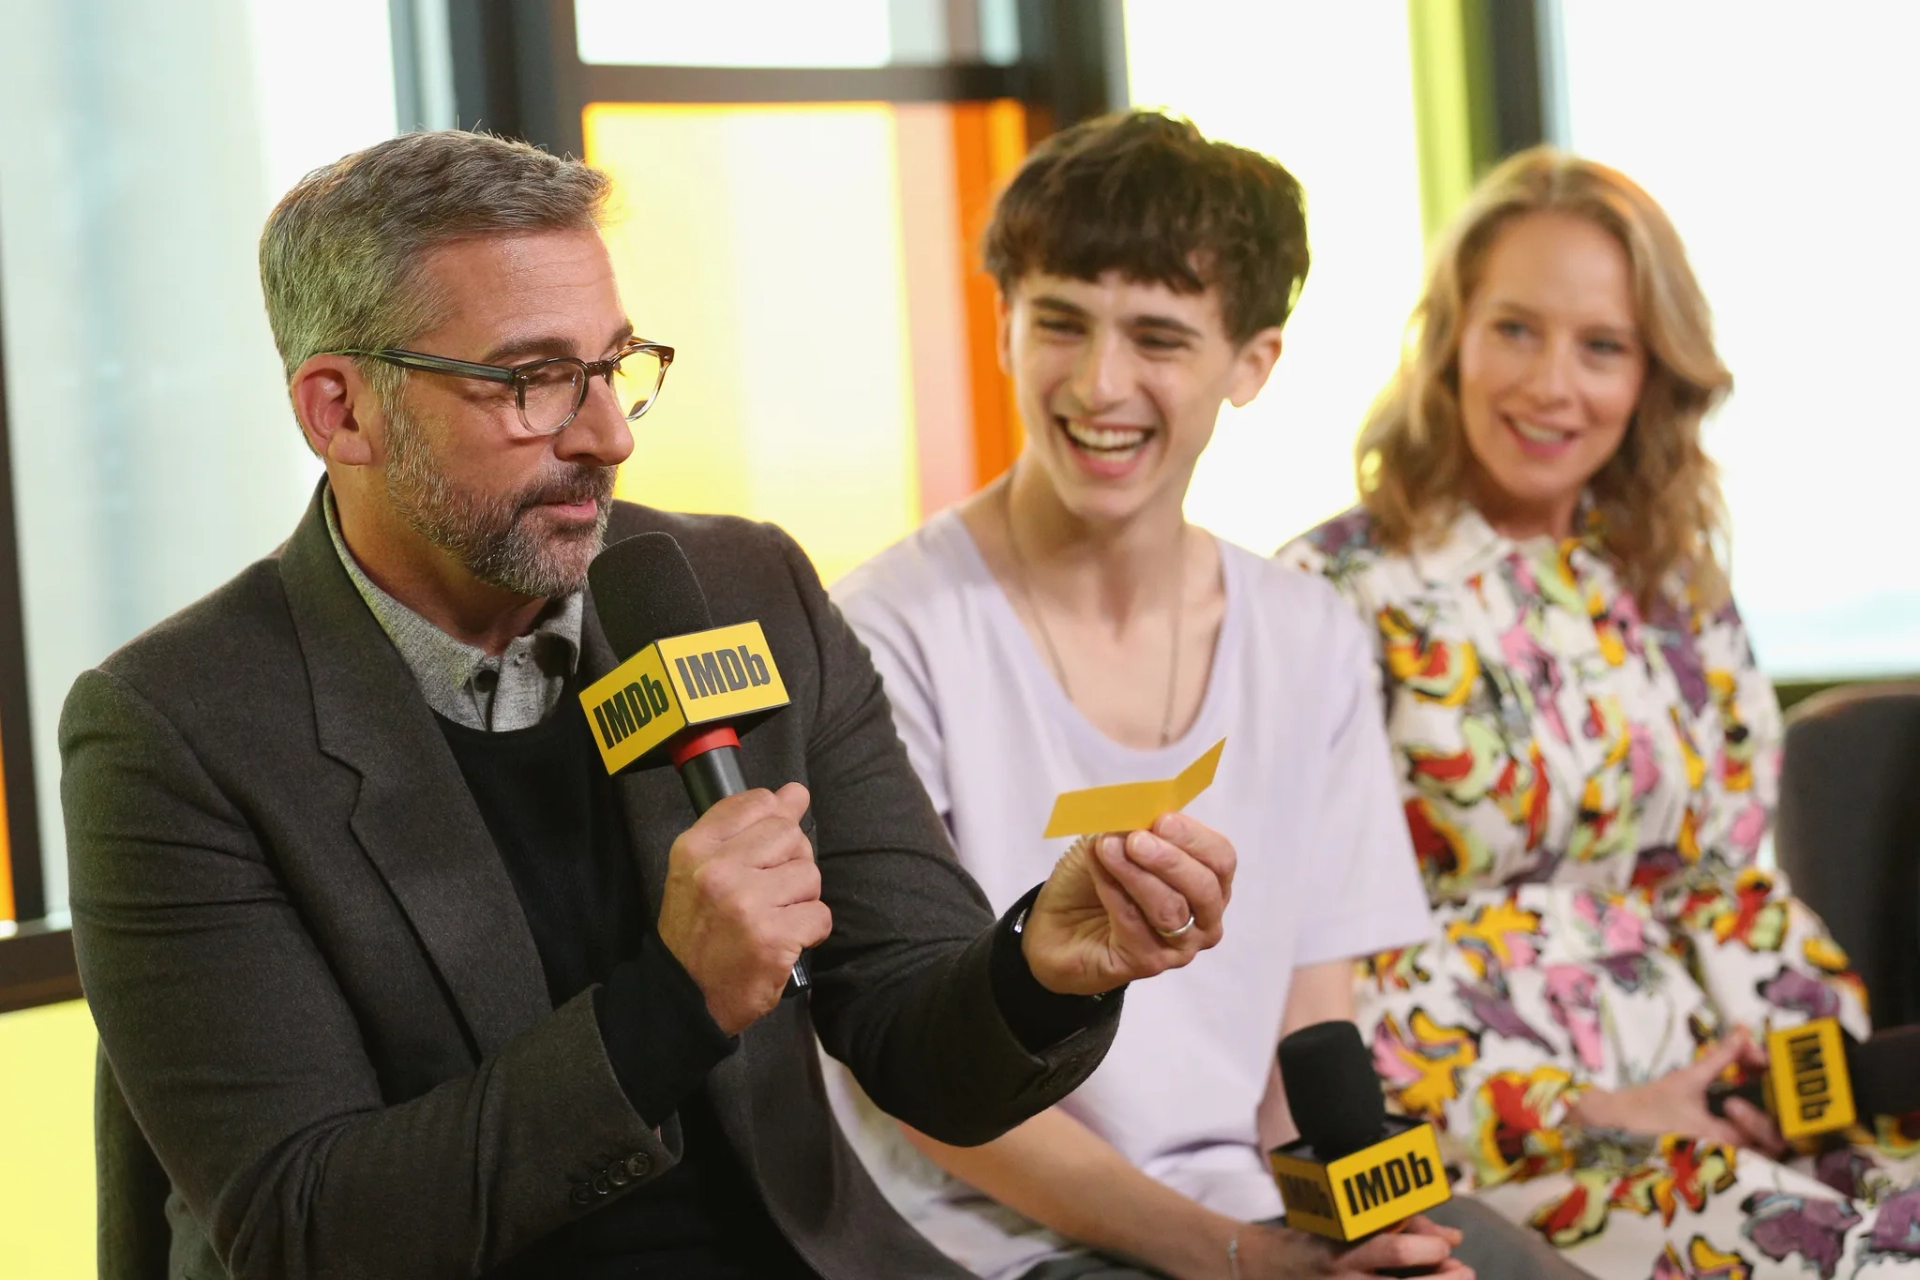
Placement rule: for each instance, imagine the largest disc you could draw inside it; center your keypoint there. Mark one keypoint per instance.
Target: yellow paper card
(1131, 806)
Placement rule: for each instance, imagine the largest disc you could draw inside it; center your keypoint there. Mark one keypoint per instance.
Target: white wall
(1778, 144)
(1326, 89)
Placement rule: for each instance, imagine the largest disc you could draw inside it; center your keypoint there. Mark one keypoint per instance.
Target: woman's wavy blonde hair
(1658, 499)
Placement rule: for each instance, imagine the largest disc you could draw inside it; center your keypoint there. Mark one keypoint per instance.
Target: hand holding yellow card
(1131, 806)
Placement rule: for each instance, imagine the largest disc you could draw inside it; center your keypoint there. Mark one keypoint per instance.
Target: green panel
(1439, 33)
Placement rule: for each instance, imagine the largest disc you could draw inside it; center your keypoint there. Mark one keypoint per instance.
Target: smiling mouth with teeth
(1538, 434)
(1105, 439)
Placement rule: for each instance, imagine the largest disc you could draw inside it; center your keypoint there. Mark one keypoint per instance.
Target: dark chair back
(1849, 832)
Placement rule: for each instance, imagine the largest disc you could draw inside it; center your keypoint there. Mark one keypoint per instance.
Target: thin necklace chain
(1022, 579)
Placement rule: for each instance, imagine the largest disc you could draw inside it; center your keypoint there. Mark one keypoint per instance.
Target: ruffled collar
(1472, 545)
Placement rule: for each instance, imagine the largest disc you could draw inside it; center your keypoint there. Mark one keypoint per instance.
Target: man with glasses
(390, 976)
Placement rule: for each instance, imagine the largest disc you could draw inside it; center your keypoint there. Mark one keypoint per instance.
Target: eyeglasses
(549, 392)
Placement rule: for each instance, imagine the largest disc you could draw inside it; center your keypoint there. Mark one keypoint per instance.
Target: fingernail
(1171, 826)
(1111, 846)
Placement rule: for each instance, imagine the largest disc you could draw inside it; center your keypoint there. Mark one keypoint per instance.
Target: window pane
(1768, 143)
(765, 245)
(154, 454)
(735, 33)
(812, 266)
(783, 33)
(1337, 111)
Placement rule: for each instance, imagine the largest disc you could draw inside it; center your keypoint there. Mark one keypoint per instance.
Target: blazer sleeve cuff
(660, 1038)
(1039, 1018)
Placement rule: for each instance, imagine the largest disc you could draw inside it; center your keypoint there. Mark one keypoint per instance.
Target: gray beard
(491, 537)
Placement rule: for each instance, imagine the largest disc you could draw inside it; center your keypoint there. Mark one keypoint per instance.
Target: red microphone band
(695, 744)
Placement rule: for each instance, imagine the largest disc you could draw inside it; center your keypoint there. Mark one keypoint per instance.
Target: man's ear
(1253, 365)
(333, 403)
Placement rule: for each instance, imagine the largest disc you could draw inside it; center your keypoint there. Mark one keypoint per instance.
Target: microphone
(1820, 1080)
(684, 690)
(1354, 1170)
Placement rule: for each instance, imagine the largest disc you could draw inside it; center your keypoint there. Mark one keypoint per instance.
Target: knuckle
(809, 877)
(711, 880)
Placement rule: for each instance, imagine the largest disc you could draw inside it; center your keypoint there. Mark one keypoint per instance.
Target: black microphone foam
(644, 590)
(1885, 1072)
(1332, 1089)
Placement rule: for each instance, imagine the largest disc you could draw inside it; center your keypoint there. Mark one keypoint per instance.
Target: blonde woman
(1587, 758)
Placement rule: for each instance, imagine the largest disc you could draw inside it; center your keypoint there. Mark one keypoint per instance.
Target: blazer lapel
(652, 802)
(414, 816)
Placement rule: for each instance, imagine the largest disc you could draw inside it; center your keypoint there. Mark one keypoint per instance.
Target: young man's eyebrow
(1051, 303)
(1166, 322)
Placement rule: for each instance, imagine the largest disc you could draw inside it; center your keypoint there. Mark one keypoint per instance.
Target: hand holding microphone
(1280, 1253)
(1815, 1079)
(1357, 1175)
(1683, 1101)
(742, 900)
(742, 897)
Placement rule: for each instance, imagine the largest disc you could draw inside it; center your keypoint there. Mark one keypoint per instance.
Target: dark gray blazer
(313, 979)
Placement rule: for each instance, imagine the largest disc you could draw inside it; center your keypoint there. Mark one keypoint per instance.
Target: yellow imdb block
(1807, 1079)
(726, 674)
(1359, 1194)
(1131, 806)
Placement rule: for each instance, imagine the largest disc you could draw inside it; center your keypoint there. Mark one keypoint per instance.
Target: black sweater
(555, 818)
(553, 814)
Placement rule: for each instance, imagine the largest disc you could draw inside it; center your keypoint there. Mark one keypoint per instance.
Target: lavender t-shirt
(1303, 791)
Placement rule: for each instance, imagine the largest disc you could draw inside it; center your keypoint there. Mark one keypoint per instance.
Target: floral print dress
(1587, 790)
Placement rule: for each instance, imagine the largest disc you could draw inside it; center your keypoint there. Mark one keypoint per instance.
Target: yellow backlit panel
(47, 1219)
(764, 243)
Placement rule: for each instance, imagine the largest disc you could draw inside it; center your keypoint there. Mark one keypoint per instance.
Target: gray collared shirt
(464, 682)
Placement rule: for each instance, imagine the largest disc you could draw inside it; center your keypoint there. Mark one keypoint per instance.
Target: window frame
(516, 70)
(36, 962)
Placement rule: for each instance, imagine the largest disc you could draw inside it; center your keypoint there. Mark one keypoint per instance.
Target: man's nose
(599, 434)
(1104, 375)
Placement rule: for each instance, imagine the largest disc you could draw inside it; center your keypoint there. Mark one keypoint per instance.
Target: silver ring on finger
(1174, 933)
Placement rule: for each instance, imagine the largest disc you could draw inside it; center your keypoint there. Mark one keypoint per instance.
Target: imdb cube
(726, 675)
(1356, 1195)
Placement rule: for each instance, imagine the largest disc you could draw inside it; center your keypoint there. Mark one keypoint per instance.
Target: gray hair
(341, 253)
